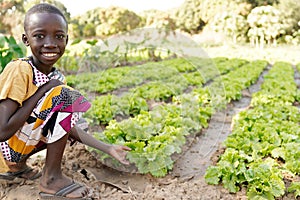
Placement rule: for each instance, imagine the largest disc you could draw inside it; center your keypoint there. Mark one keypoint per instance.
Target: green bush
(9, 50)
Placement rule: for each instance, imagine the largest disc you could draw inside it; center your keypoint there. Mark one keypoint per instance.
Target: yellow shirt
(16, 82)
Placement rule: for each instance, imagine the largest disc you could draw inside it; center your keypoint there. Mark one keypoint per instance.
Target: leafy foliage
(12, 14)
(58, 4)
(291, 17)
(105, 22)
(210, 9)
(8, 20)
(158, 19)
(232, 84)
(234, 25)
(188, 17)
(9, 50)
(106, 108)
(192, 16)
(256, 3)
(264, 140)
(295, 187)
(154, 135)
(266, 24)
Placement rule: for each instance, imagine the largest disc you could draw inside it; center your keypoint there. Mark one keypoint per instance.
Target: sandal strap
(19, 173)
(68, 189)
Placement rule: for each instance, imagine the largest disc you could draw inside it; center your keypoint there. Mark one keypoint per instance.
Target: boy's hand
(119, 152)
(51, 84)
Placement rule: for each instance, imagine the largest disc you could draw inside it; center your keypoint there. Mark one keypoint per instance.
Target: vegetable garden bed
(157, 134)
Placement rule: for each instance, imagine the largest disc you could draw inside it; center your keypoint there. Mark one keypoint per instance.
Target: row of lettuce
(155, 81)
(155, 134)
(191, 70)
(263, 151)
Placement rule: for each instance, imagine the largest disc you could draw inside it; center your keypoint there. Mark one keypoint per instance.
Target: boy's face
(46, 34)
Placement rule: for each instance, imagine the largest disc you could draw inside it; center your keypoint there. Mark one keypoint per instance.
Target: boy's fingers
(126, 148)
(125, 162)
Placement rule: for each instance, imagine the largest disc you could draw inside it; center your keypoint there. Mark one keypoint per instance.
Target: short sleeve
(15, 81)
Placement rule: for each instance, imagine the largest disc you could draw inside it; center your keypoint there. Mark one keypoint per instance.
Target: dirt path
(195, 160)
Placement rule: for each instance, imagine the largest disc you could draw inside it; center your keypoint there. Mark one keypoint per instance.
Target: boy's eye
(39, 36)
(60, 36)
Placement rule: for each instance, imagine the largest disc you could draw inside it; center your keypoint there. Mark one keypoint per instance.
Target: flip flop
(61, 194)
(12, 175)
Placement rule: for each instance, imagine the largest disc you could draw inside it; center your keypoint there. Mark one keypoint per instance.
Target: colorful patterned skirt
(53, 117)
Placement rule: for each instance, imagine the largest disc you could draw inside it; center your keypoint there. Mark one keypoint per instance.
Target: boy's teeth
(50, 54)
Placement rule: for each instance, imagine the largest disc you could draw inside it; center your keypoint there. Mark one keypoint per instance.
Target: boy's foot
(71, 190)
(65, 192)
(26, 173)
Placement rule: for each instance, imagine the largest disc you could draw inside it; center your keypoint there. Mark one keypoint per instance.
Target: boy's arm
(119, 152)
(13, 117)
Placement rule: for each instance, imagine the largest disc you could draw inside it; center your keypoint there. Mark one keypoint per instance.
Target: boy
(39, 111)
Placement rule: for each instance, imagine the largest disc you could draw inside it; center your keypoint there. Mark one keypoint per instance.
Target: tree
(266, 24)
(116, 20)
(8, 6)
(233, 25)
(158, 19)
(75, 30)
(187, 16)
(290, 12)
(13, 12)
(256, 3)
(193, 15)
(209, 9)
(58, 4)
(11, 15)
(89, 30)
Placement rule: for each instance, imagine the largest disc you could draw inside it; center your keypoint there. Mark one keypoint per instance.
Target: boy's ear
(67, 39)
(25, 39)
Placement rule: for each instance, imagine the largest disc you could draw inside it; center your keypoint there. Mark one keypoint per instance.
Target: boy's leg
(21, 167)
(52, 179)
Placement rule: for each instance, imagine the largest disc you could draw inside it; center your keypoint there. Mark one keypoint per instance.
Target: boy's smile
(46, 34)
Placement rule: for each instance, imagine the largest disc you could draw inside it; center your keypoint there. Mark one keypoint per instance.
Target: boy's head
(46, 33)
(43, 8)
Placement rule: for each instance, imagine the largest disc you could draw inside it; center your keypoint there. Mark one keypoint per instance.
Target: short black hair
(43, 8)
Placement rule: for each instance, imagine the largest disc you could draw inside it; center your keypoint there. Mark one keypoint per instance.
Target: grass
(285, 53)
(217, 45)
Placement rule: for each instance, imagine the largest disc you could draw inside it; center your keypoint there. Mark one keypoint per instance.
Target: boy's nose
(49, 43)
